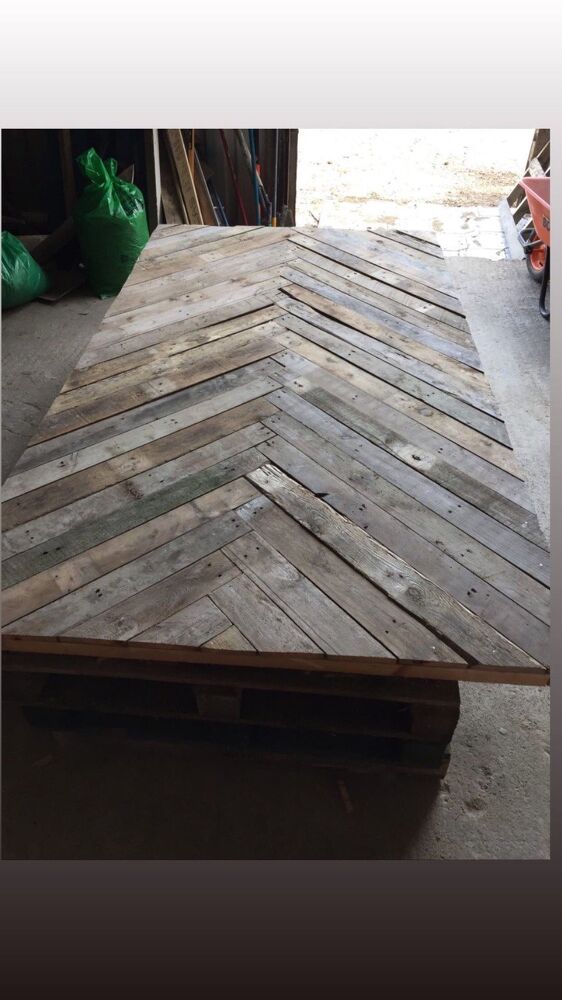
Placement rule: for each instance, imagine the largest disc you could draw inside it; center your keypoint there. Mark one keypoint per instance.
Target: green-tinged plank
(124, 507)
(89, 602)
(49, 584)
(175, 447)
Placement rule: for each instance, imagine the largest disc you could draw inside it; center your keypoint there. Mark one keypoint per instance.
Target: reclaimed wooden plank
(389, 384)
(421, 554)
(447, 616)
(331, 628)
(39, 589)
(403, 634)
(261, 620)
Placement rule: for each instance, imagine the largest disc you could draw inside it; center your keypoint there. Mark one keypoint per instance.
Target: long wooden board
(280, 451)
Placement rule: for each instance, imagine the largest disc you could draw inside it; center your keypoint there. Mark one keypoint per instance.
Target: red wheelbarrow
(535, 238)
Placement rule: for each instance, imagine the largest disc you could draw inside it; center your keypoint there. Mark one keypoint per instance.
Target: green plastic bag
(110, 220)
(22, 277)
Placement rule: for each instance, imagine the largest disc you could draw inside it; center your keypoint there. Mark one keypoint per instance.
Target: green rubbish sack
(111, 224)
(22, 277)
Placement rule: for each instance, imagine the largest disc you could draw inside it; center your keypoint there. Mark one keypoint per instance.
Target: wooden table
(280, 450)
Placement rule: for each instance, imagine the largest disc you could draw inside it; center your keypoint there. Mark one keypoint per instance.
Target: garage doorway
(447, 182)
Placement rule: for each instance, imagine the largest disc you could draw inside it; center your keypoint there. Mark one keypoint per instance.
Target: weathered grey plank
(449, 539)
(382, 378)
(393, 411)
(478, 525)
(129, 618)
(168, 348)
(358, 416)
(127, 441)
(193, 625)
(266, 626)
(332, 629)
(425, 328)
(481, 597)
(409, 293)
(231, 638)
(365, 245)
(204, 363)
(477, 640)
(123, 342)
(419, 360)
(84, 437)
(404, 635)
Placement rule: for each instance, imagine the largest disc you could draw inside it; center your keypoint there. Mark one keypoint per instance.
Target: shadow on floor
(41, 344)
(77, 795)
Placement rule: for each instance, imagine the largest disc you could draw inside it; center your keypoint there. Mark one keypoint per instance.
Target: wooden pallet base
(313, 749)
(362, 723)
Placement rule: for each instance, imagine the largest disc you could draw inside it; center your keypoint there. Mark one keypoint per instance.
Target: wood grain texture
(280, 451)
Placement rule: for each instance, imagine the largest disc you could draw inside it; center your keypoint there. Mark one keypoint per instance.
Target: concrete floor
(100, 795)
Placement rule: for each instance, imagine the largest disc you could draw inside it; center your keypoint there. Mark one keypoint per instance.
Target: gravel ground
(448, 182)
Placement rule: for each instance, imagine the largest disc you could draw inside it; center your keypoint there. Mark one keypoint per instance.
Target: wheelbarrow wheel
(536, 260)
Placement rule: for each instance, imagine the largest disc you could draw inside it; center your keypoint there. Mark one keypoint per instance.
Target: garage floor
(101, 795)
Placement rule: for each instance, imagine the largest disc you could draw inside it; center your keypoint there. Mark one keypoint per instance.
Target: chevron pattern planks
(280, 449)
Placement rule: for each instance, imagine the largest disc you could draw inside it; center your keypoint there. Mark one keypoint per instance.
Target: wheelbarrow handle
(544, 285)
